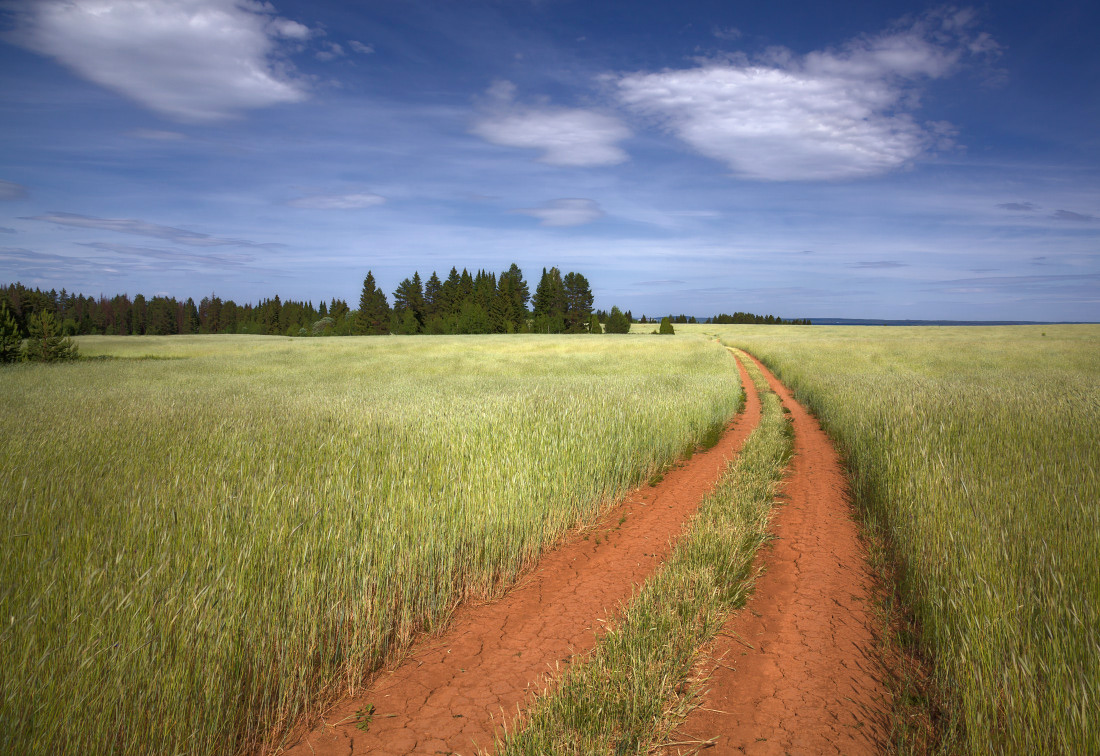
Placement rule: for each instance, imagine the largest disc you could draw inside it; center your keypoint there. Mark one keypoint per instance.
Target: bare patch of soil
(797, 671)
(453, 691)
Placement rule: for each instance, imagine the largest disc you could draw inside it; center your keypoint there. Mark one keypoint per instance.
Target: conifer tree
(11, 341)
(46, 344)
(617, 322)
(374, 311)
(666, 327)
(578, 302)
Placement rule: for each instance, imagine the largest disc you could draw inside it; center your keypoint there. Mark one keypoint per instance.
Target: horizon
(893, 161)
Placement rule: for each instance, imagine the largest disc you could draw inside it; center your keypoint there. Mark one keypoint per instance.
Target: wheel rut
(453, 691)
(796, 670)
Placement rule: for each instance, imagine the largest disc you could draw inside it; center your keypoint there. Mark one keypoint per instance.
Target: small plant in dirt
(364, 717)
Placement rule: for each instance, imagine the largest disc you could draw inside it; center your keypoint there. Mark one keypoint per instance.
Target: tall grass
(977, 450)
(632, 688)
(198, 551)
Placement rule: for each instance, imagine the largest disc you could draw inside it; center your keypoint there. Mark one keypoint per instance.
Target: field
(208, 536)
(977, 450)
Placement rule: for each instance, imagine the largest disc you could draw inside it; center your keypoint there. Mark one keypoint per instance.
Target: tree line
(482, 302)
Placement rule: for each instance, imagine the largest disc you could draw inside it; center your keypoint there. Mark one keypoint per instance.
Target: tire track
(796, 671)
(453, 691)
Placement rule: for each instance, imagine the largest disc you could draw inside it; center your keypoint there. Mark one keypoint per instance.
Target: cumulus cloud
(565, 212)
(835, 114)
(353, 201)
(566, 136)
(143, 228)
(191, 60)
(9, 190)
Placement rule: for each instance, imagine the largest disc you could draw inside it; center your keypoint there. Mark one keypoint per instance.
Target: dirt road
(795, 671)
(454, 690)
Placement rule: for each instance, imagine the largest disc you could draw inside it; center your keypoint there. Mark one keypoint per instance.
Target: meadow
(208, 538)
(976, 451)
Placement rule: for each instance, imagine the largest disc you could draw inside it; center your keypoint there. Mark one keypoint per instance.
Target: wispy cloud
(565, 212)
(9, 190)
(6, 230)
(352, 201)
(879, 264)
(834, 114)
(1069, 215)
(144, 228)
(172, 255)
(192, 60)
(1019, 207)
(360, 48)
(566, 136)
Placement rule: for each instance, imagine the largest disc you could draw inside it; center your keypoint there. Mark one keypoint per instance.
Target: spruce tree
(373, 317)
(666, 327)
(11, 341)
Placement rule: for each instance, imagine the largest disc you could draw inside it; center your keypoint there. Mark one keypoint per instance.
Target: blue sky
(808, 159)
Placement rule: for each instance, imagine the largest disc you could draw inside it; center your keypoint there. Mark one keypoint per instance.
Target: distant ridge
(876, 322)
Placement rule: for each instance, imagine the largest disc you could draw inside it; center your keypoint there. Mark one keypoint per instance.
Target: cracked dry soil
(453, 691)
(795, 671)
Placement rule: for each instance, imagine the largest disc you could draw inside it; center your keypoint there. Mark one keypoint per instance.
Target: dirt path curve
(453, 690)
(797, 672)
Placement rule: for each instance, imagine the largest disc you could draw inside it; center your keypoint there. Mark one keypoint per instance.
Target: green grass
(633, 687)
(199, 551)
(976, 451)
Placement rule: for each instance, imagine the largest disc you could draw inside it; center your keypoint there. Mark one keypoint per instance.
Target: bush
(666, 327)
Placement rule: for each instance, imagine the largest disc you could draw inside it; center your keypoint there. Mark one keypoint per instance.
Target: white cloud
(191, 60)
(565, 212)
(566, 136)
(9, 190)
(353, 201)
(835, 114)
(359, 47)
(331, 51)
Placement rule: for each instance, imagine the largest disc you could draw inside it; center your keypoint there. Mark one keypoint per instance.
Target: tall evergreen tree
(433, 288)
(549, 303)
(11, 341)
(374, 311)
(408, 306)
(578, 302)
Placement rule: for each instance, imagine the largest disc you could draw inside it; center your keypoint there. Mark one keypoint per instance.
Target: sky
(862, 159)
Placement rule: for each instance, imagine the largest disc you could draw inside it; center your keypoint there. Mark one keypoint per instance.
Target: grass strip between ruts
(632, 688)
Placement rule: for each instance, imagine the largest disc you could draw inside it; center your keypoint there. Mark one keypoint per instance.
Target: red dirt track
(454, 691)
(796, 671)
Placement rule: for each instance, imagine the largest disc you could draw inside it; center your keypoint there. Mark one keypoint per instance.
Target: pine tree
(549, 303)
(432, 291)
(11, 341)
(46, 344)
(578, 302)
(594, 324)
